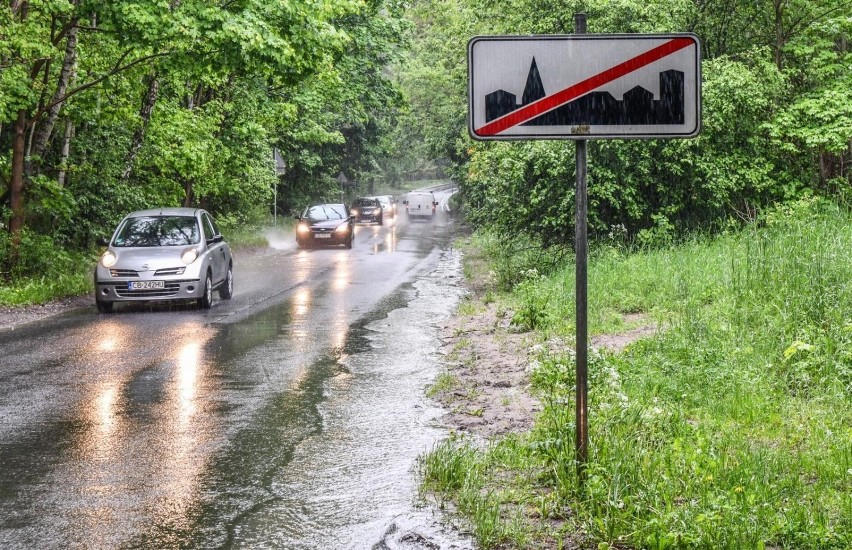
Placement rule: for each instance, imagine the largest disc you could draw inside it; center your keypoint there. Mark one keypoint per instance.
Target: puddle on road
(352, 483)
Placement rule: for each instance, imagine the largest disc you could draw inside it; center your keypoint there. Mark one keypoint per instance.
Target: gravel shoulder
(13, 317)
(486, 383)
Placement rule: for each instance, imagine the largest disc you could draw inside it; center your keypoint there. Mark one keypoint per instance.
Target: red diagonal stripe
(529, 112)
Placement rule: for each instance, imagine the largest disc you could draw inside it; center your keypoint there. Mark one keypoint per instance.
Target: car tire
(227, 288)
(382, 220)
(350, 239)
(206, 300)
(103, 307)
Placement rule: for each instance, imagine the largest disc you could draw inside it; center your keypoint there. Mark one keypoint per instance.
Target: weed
(443, 382)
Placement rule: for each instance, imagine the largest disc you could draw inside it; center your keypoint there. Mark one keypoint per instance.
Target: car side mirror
(404, 202)
(101, 241)
(434, 204)
(351, 216)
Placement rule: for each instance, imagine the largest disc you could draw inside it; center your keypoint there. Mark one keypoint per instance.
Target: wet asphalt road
(288, 417)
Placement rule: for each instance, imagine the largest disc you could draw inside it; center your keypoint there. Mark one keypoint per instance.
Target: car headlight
(342, 228)
(189, 255)
(303, 228)
(109, 258)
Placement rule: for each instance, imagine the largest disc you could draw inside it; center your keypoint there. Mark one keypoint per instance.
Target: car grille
(171, 289)
(171, 271)
(123, 273)
(321, 230)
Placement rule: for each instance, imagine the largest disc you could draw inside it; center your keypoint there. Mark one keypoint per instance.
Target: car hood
(154, 257)
(326, 224)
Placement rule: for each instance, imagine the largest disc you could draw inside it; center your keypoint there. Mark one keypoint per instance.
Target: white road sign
(584, 86)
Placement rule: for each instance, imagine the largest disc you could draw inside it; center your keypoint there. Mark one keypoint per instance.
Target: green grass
(29, 291)
(730, 429)
(443, 382)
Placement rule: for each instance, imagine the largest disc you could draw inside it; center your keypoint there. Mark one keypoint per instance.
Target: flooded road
(288, 417)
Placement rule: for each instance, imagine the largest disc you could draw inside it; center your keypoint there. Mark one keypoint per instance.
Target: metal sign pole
(581, 296)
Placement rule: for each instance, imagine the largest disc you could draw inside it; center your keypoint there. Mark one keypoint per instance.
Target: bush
(44, 271)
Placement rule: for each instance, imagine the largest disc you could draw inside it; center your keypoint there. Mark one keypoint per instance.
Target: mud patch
(486, 385)
(643, 327)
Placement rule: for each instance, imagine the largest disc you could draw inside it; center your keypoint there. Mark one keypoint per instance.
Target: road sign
(584, 86)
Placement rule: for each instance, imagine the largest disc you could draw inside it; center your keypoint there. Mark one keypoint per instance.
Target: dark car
(325, 225)
(388, 205)
(368, 209)
(164, 254)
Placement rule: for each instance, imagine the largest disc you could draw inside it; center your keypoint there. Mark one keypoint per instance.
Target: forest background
(106, 107)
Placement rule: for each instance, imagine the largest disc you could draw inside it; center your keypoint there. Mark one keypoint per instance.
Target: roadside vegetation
(108, 107)
(730, 428)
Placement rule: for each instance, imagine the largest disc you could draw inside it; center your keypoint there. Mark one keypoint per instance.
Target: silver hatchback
(164, 254)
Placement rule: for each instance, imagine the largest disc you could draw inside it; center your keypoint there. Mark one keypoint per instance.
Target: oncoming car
(325, 224)
(388, 205)
(164, 254)
(368, 209)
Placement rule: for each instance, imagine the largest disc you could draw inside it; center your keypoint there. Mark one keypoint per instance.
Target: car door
(216, 249)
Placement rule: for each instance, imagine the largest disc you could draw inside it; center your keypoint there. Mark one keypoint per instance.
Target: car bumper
(334, 240)
(120, 291)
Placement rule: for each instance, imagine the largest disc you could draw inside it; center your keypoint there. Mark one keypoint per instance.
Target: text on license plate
(145, 285)
(322, 235)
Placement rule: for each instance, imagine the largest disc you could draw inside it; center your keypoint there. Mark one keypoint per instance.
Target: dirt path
(486, 387)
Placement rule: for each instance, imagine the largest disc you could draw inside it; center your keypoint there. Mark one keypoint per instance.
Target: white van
(420, 204)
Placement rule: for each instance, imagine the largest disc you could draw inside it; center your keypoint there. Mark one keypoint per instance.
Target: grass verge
(729, 429)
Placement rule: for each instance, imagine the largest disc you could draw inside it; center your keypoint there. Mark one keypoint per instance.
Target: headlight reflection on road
(390, 240)
(187, 378)
(301, 302)
(113, 336)
(342, 273)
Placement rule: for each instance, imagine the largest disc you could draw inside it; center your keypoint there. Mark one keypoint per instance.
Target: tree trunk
(145, 111)
(65, 74)
(779, 32)
(16, 187)
(66, 152)
(188, 196)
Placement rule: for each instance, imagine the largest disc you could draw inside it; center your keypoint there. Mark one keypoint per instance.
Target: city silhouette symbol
(637, 107)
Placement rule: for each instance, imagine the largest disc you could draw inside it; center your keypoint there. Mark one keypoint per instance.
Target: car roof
(168, 211)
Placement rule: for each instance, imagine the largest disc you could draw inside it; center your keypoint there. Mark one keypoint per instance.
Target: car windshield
(365, 202)
(158, 231)
(325, 212)
(384, 201)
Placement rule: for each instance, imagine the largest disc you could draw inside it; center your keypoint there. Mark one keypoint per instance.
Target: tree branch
(118, 68)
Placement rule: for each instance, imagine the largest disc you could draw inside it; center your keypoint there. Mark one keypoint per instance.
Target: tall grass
(732, 427)
(44, 271)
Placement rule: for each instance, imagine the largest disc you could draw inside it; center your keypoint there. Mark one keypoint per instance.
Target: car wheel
(381, 220)
(103, 307)
(350, 239)
(227, 288)
(206, 300)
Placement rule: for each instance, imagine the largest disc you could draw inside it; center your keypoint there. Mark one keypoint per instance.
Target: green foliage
(45, 271)
(728, 429)
(232, 80)
(775, 119)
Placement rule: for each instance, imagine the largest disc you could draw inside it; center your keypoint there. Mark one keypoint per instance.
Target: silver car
(164, 254)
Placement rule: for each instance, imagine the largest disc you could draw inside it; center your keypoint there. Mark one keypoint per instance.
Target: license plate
(322, 235)
(145, 285)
